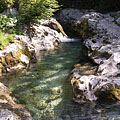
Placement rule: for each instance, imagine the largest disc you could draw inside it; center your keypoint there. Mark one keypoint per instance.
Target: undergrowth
(5, 39)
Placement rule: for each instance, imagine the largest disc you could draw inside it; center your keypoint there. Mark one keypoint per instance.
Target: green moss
(24, 51)
(5, 39)
(61, 29)
(82, 28)
(116, 93)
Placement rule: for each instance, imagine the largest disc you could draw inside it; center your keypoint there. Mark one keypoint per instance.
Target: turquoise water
(46, 92)
(46, 89)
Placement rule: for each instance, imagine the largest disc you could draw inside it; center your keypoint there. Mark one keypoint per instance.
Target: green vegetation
(6, 4)
(8, 23)
(29, 11)
(32, 10)
(5, 39)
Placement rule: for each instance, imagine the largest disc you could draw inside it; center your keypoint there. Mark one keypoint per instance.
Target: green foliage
(6, 4)
(5, 39)
(31, 10)
(9, 24)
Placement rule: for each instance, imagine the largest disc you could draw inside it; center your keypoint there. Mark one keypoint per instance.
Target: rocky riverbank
(101, 36)
(44, 36)
(91, 81)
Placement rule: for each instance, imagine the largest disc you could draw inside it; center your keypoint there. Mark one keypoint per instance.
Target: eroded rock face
(53, 24)
(41, 37)
(44, 36)
(11, 58)
(101, 36)
(9, 108)
(70, 18)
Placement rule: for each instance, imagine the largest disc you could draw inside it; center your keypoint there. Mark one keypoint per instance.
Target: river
(46, 91)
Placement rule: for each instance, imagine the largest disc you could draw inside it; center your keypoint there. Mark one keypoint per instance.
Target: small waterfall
(67, 39)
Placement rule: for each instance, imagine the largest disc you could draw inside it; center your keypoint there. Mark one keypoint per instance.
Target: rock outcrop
(9, 108)
(19, 55)
(41, 37)
(101, 36)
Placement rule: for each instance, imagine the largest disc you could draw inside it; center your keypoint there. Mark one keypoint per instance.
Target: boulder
(101, 36)
(53, 24)
(70, 18)
(44, 36)
(13, 57)
(9, 108)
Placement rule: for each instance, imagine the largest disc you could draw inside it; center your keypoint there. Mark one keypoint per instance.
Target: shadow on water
(46, 91)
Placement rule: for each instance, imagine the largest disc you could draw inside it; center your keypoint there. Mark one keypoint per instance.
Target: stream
(46, 91)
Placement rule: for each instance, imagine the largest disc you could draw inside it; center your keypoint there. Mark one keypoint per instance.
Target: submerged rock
(101, 36)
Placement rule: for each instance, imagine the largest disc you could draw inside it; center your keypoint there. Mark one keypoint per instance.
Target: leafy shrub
(5, 39)
(7, 23)
(6, 4)
(31, 10)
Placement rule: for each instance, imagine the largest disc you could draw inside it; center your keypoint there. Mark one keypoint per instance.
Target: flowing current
(46, 92)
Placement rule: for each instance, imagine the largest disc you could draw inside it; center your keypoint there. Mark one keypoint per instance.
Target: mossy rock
(116, 92)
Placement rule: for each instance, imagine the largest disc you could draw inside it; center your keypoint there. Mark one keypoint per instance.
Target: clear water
(46, 91)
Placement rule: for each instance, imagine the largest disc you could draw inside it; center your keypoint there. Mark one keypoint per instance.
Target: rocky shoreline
(19, 55)
(91, 81)
(101, 36)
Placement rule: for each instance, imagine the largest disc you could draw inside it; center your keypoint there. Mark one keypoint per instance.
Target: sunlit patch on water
(46, 91)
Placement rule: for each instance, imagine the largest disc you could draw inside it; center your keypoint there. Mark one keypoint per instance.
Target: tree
(31, 10)
(6, 4)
